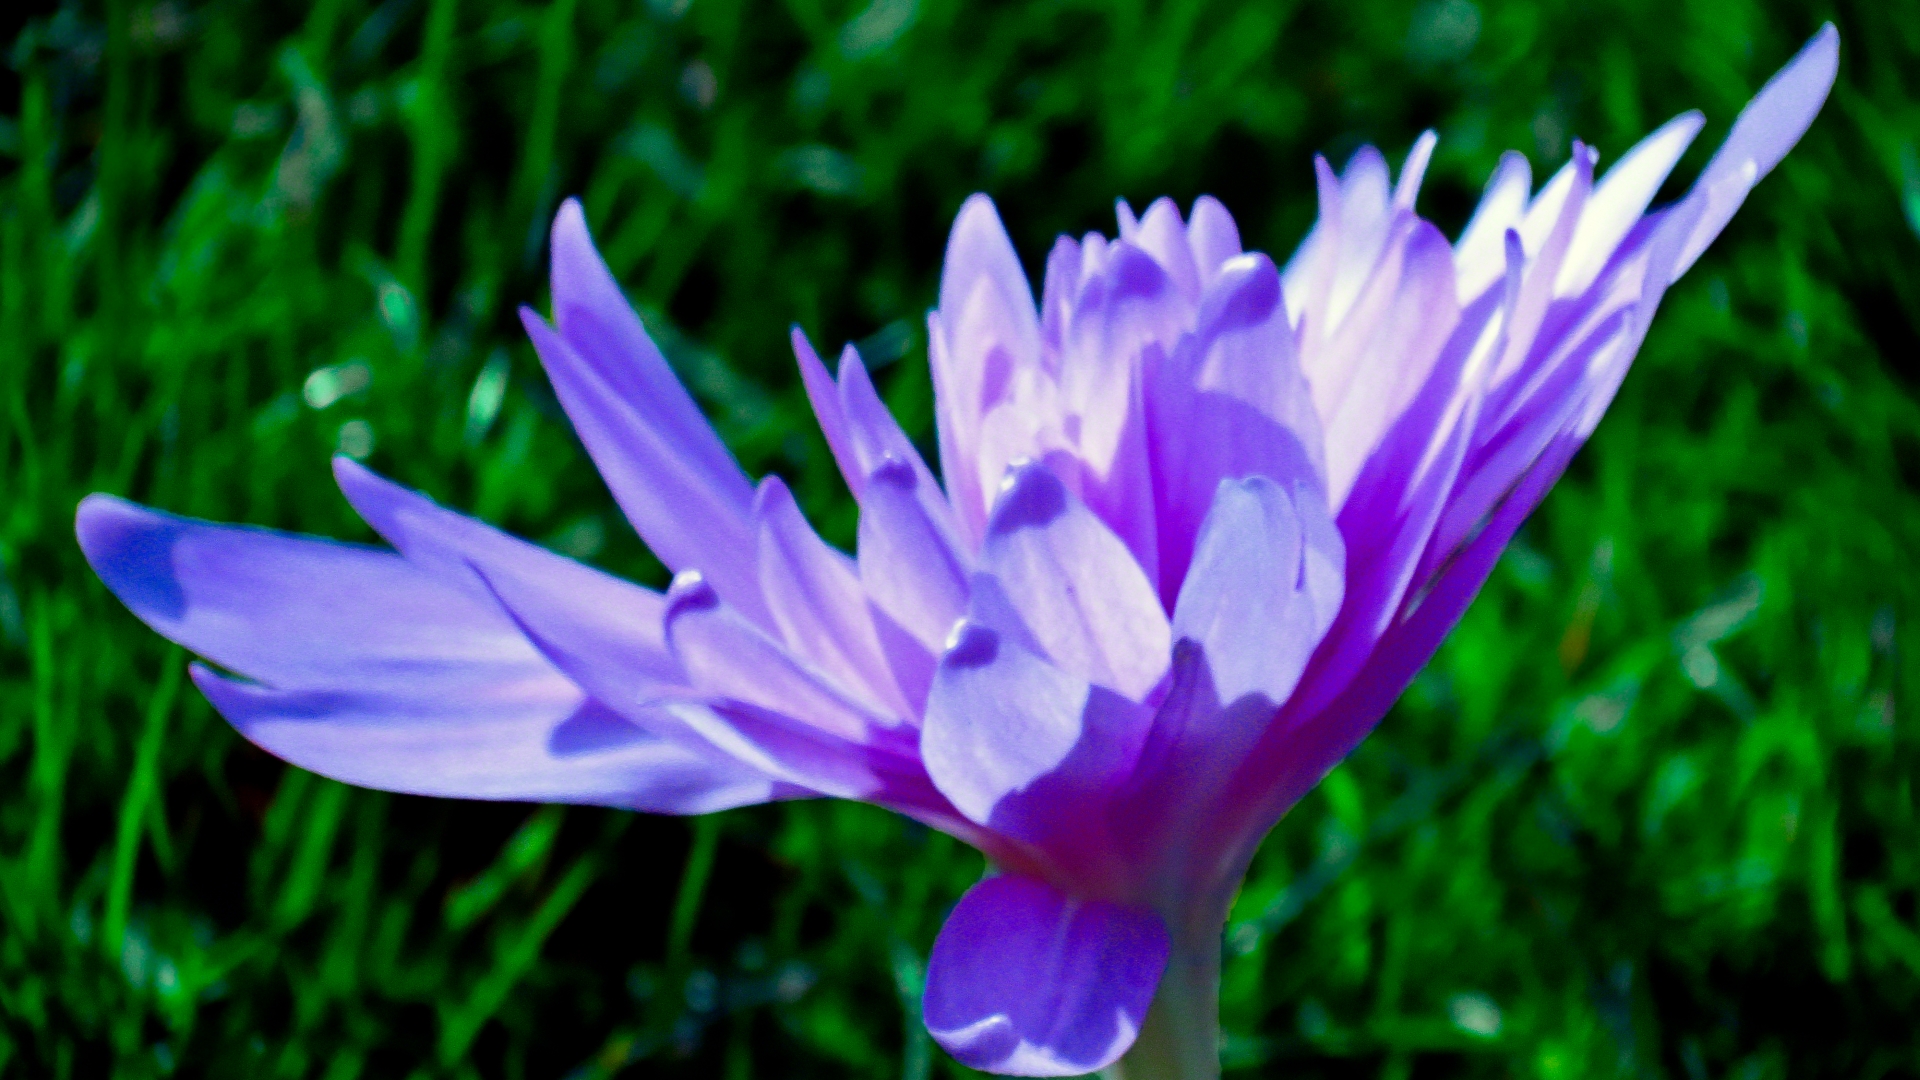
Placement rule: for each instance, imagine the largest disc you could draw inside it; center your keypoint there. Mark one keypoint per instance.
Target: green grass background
(1650, 812)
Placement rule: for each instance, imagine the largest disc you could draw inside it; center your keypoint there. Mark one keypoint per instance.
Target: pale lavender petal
(987, 324)
(1074, 585)
(909, 563)
(1199, 439)
(1164, 236)
(1767, 128)
(1546, 235)
(1213, 236)
(1266, 583)
(1308, 276)
(1057, 294)
(298, 612)
(1131, 303)
(977, 250)
(958, 436)
(608, 649)
(1372, 368)
(459, 549)
(824, 395)
(1027, 981)
(1366, 216)
(1245, 349)
(1032, 751)
(1231, 402)
(1478, 258)
(688, 513)
(726, 656)
(374, 671)
(818, 605)
(1268, 575)
(523, 743)
(775, 714)
(593, 315)
(1391, 512)
(1620, 198)
(877, 439)
(1414, 170)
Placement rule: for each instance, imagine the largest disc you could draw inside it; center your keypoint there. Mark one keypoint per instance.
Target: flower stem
(1181, 1038)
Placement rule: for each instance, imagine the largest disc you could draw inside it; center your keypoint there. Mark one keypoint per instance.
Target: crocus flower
(1199, 521)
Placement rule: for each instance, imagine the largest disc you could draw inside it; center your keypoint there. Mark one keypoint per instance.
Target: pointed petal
(725, 656)
(1057, 293)
(373, 671)
(1268, 576)
(1026, 981)
(690, 512)
(523, 745)
(818, 605)
(1164, 236)
(1414, 170)
(909, 564)
(1620, 198)
(1201, 436)
(978, 249)
(824, 395)
(1246, 350)
(612, 650)
(1380, 358)
(596, 321)
(1478, 258)
(458, 548)
(1366, 216)
(1031, 751)
(878, 439)
(1076, 588)
(298, 612)
(1767, 128)
(780, 716)
(987, 322)
(1213, 236)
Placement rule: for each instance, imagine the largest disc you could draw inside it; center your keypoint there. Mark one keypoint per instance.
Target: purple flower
(1202, 519)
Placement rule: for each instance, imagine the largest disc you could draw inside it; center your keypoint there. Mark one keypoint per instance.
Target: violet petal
(1026, 981)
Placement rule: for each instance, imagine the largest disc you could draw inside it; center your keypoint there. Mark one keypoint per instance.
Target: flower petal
(521, 745)
(776, 714)
(986, 323)
(1268, 575)
(691, 512)
(1478, 258)
(1075, 587)
(1230, 402)
(817, 603)
(380, 673)
(1368, 370)
(1767, 128)
(909, 563)
(1030, 750)
(824, 395)
(461, 549)
(1620, 198)
(298, 612)
(1164, 236)
(1026, 981)
(605, 334)
(1213, 236)
(725, 656)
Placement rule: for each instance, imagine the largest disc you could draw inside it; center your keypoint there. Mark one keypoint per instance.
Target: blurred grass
(1650, 812)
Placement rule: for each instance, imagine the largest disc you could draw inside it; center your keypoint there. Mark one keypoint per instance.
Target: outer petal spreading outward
(1202, 518)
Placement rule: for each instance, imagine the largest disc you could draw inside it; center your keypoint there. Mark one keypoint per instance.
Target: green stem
(1181, 1038)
